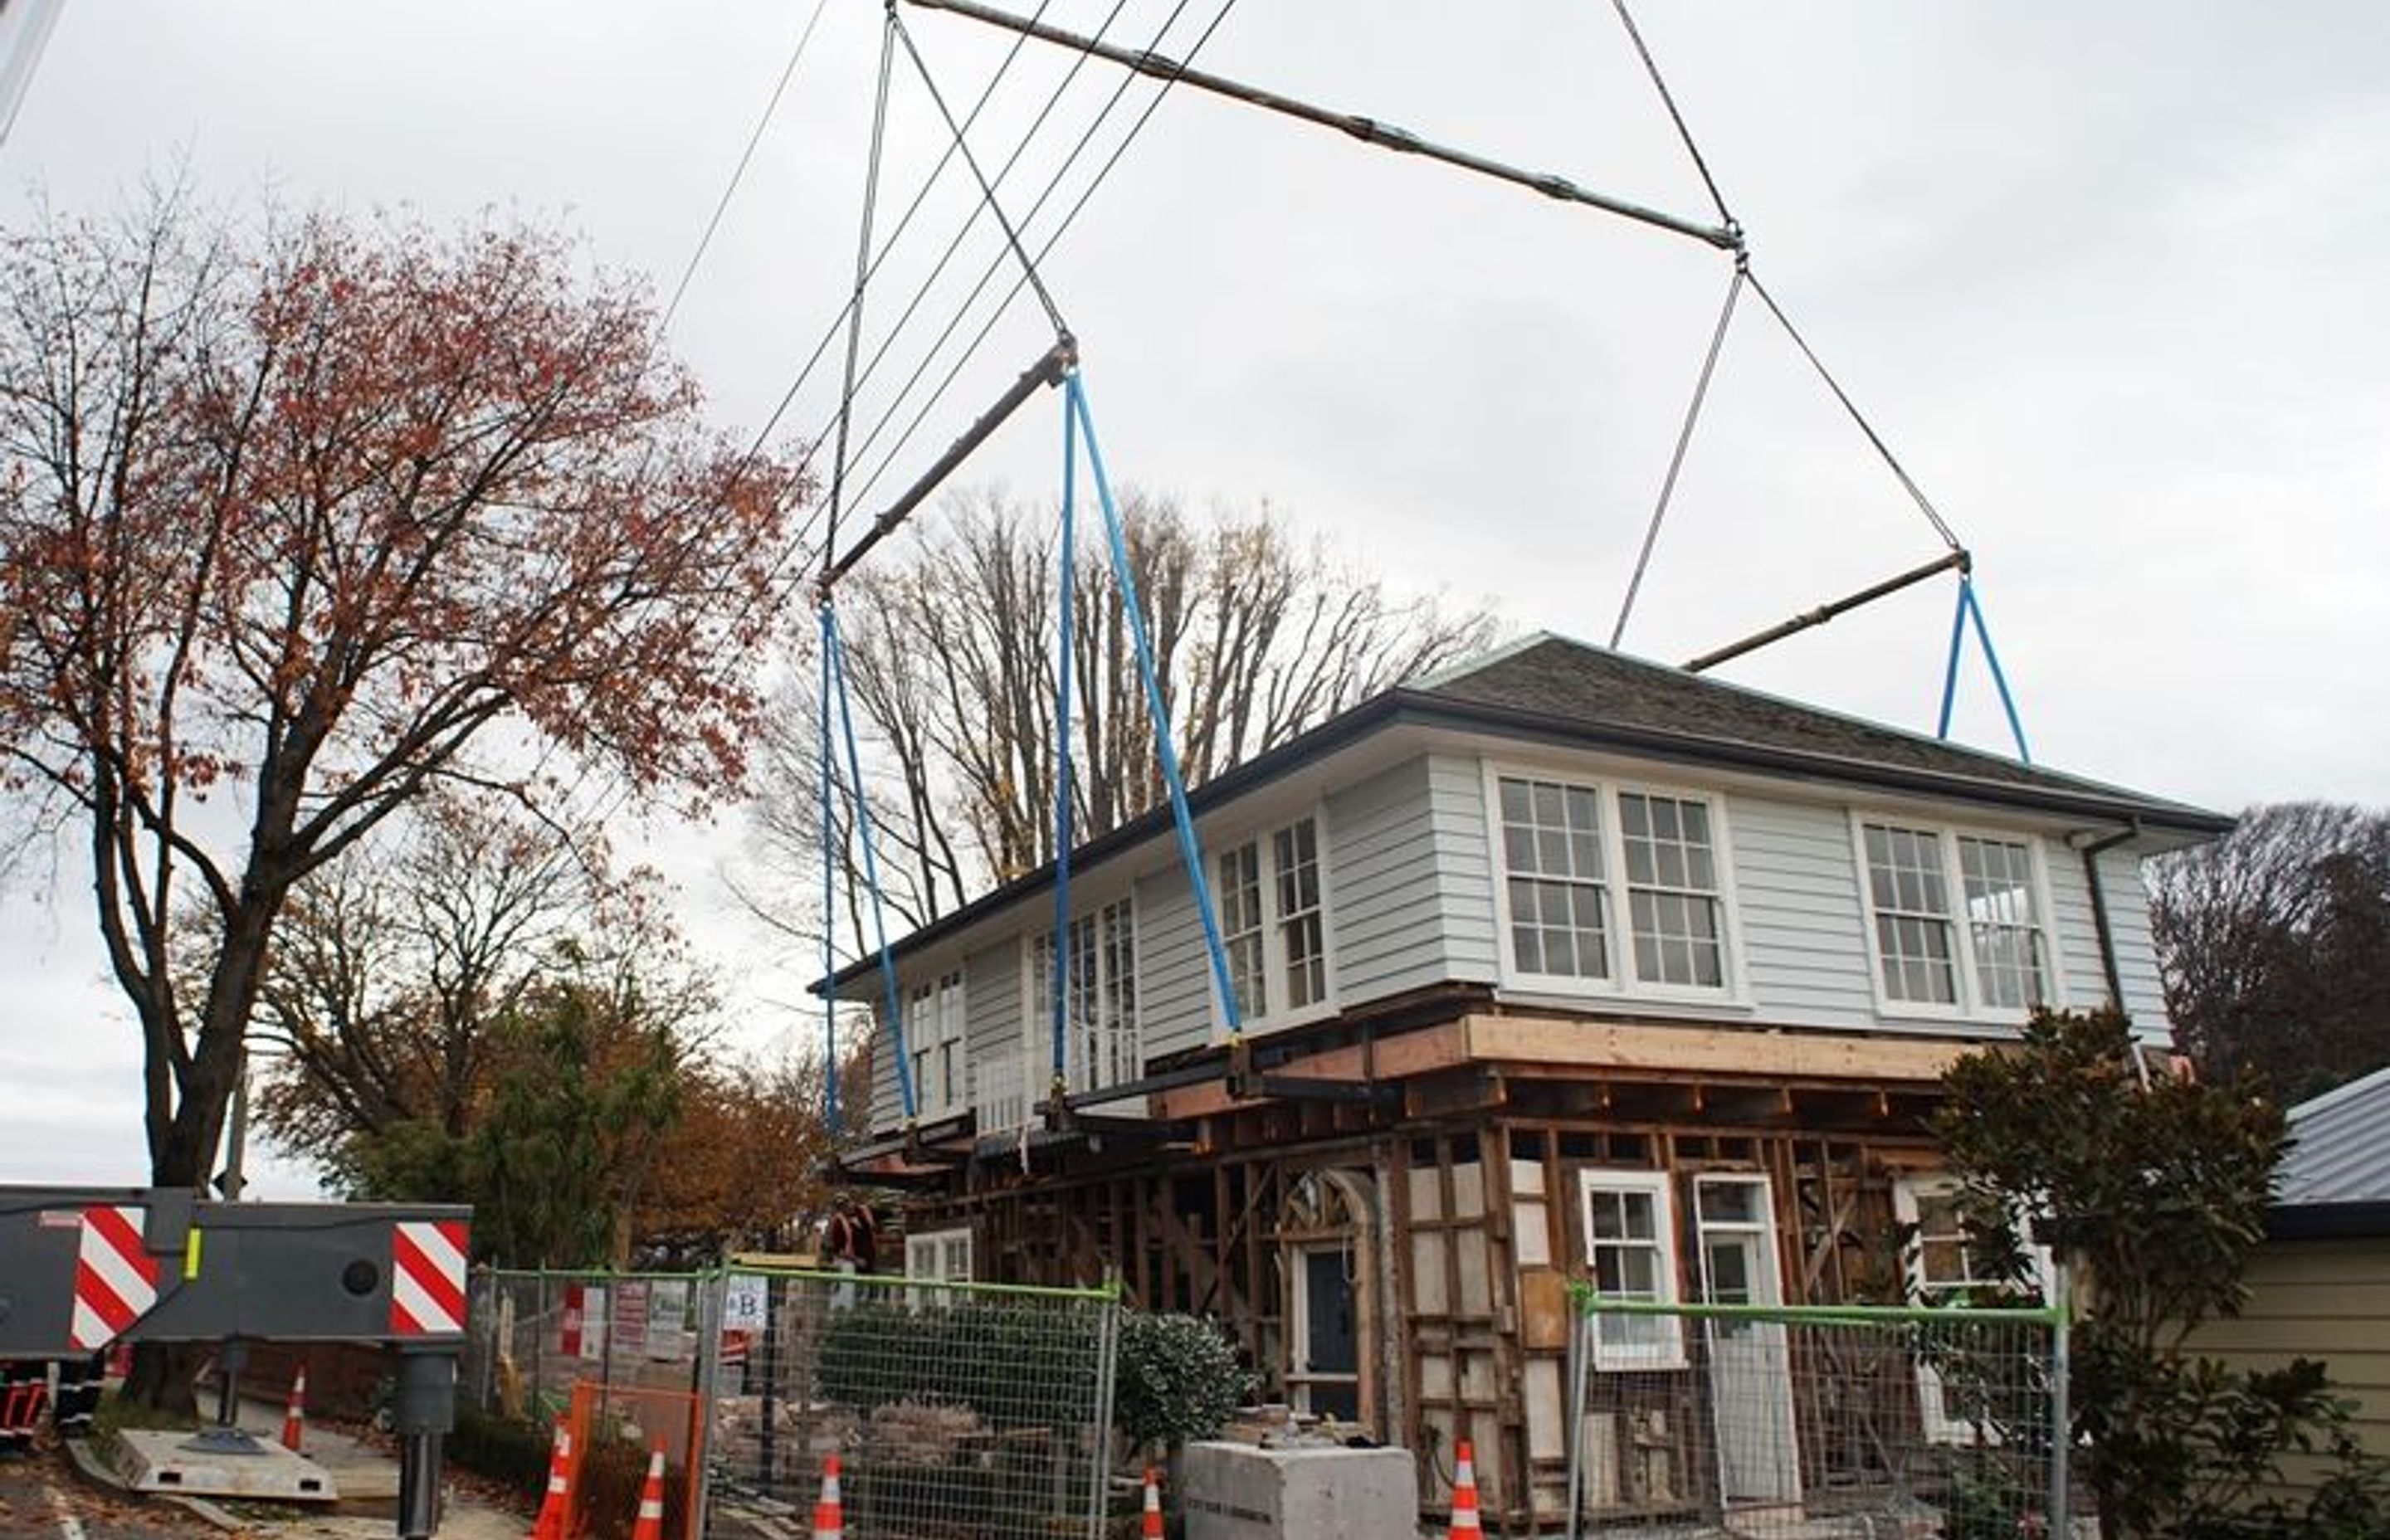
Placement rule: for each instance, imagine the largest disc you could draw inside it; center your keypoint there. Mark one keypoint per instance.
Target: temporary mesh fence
(1815, 1423)
(960, 1411)
(534, 1336)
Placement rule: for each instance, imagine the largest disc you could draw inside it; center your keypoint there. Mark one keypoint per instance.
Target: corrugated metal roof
(2341, 1153)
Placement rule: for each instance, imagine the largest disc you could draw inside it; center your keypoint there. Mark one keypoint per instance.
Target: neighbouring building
(1557, 965)
(2319, 1286)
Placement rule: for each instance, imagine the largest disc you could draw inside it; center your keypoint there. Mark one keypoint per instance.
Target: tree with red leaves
(295, 526)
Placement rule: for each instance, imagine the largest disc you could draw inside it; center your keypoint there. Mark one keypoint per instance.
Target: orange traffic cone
(294, 1416)
(1151, 1527)
(830, 1518)
(1464, 1495)
(556, 1508)
(650, 1525)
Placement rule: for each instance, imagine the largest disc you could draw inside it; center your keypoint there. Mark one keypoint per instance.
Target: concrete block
(182, 1462)
(1325, 1492)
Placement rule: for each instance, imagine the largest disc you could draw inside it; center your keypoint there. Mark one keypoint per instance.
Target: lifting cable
(1070, 216)
(1676, 459)
(833, 663)
(996, 264)
(1970, 610)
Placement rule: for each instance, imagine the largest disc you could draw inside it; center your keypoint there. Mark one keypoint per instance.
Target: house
(2319, 1286)
(1556, 964)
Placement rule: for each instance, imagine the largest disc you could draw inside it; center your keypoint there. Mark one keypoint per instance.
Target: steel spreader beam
(1726, 237)
(1048, 371)
(1824, 612)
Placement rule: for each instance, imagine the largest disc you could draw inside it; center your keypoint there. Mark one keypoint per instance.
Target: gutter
(2366, 1219)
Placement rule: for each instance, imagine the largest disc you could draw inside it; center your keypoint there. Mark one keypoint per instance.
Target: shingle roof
(2341, 1153)
(1595, 692)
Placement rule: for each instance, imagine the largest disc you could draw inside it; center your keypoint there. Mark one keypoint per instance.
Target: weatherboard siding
(991, 1033)
(1802, 924)
(1465, 854)
(2128, 921)
(2325, 1299)
(1387, 919)
(1174, 980)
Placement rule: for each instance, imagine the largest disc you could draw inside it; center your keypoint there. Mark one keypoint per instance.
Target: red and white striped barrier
(427, 1279)
(116, 1279)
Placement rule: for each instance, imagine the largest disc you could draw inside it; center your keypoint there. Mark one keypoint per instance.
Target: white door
(1751, 1380)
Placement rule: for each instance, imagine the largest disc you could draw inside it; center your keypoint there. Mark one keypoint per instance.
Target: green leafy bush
(1179, 1380)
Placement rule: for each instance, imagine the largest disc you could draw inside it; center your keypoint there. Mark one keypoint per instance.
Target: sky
(2107, 279)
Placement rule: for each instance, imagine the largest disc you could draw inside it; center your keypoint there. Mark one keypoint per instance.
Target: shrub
(1179, 1380)
(510, 1453)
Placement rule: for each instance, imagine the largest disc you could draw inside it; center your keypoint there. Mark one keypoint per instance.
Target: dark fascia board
(1417, 707)
(2329, 1221)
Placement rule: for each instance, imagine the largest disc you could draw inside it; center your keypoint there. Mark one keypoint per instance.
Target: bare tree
(289, 522)
(1256, 634)
(2275, 946)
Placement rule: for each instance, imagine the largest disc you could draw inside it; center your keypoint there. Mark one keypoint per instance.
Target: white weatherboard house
(1557, 965)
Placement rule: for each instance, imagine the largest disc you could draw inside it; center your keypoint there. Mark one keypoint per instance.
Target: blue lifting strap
(1970, 611)
(834, 668)
(1080, 420)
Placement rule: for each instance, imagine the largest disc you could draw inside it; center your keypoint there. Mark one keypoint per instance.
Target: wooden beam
(1711, 1050)
(1411, 1053)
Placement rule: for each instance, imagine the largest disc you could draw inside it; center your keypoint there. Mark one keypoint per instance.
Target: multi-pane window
(1912, 915)
(1241, 933)
(1576, 856)
(934, 1030)
(1956, 918)
(1273, 921)
(2000, 920)
(1099, 1036)
(1630, 1241)
(1551, 849)
(1295, 852)
(1672, 890)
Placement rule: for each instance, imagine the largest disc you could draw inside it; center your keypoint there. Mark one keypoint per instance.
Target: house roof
(2341, 1152)
(1552, 689)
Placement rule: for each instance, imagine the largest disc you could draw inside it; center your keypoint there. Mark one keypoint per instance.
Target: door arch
(1327, 1258)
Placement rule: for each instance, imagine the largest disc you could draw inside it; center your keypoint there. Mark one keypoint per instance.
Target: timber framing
(1442, 1159)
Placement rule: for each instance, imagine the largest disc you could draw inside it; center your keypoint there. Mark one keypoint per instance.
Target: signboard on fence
(593, 1323)
(668, 1302)
(630, 1318)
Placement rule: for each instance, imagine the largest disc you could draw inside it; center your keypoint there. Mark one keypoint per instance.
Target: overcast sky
(2109, 278)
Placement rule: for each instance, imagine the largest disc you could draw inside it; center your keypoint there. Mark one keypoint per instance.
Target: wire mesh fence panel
(1814, 1423)
(534, 1337)
(959, 1411)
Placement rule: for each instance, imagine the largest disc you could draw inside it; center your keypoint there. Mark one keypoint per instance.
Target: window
(1630, 1241)
(942, 1255)
(1100, 1045)
(1985, 952)
(1671, 891)
(1576, 856)
(1273, 921)
(933, 1032)
(1943, 1263)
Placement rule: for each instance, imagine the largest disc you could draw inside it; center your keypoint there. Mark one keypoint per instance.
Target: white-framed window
(1630, 1244)
(942, 1256)
(1957, 919)
(1940, 1260)
(1101, 1041)
(934, 1025)
(1614, 886)
(1273, 911)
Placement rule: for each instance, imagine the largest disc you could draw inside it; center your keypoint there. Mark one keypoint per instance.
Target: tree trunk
(165, 1376)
